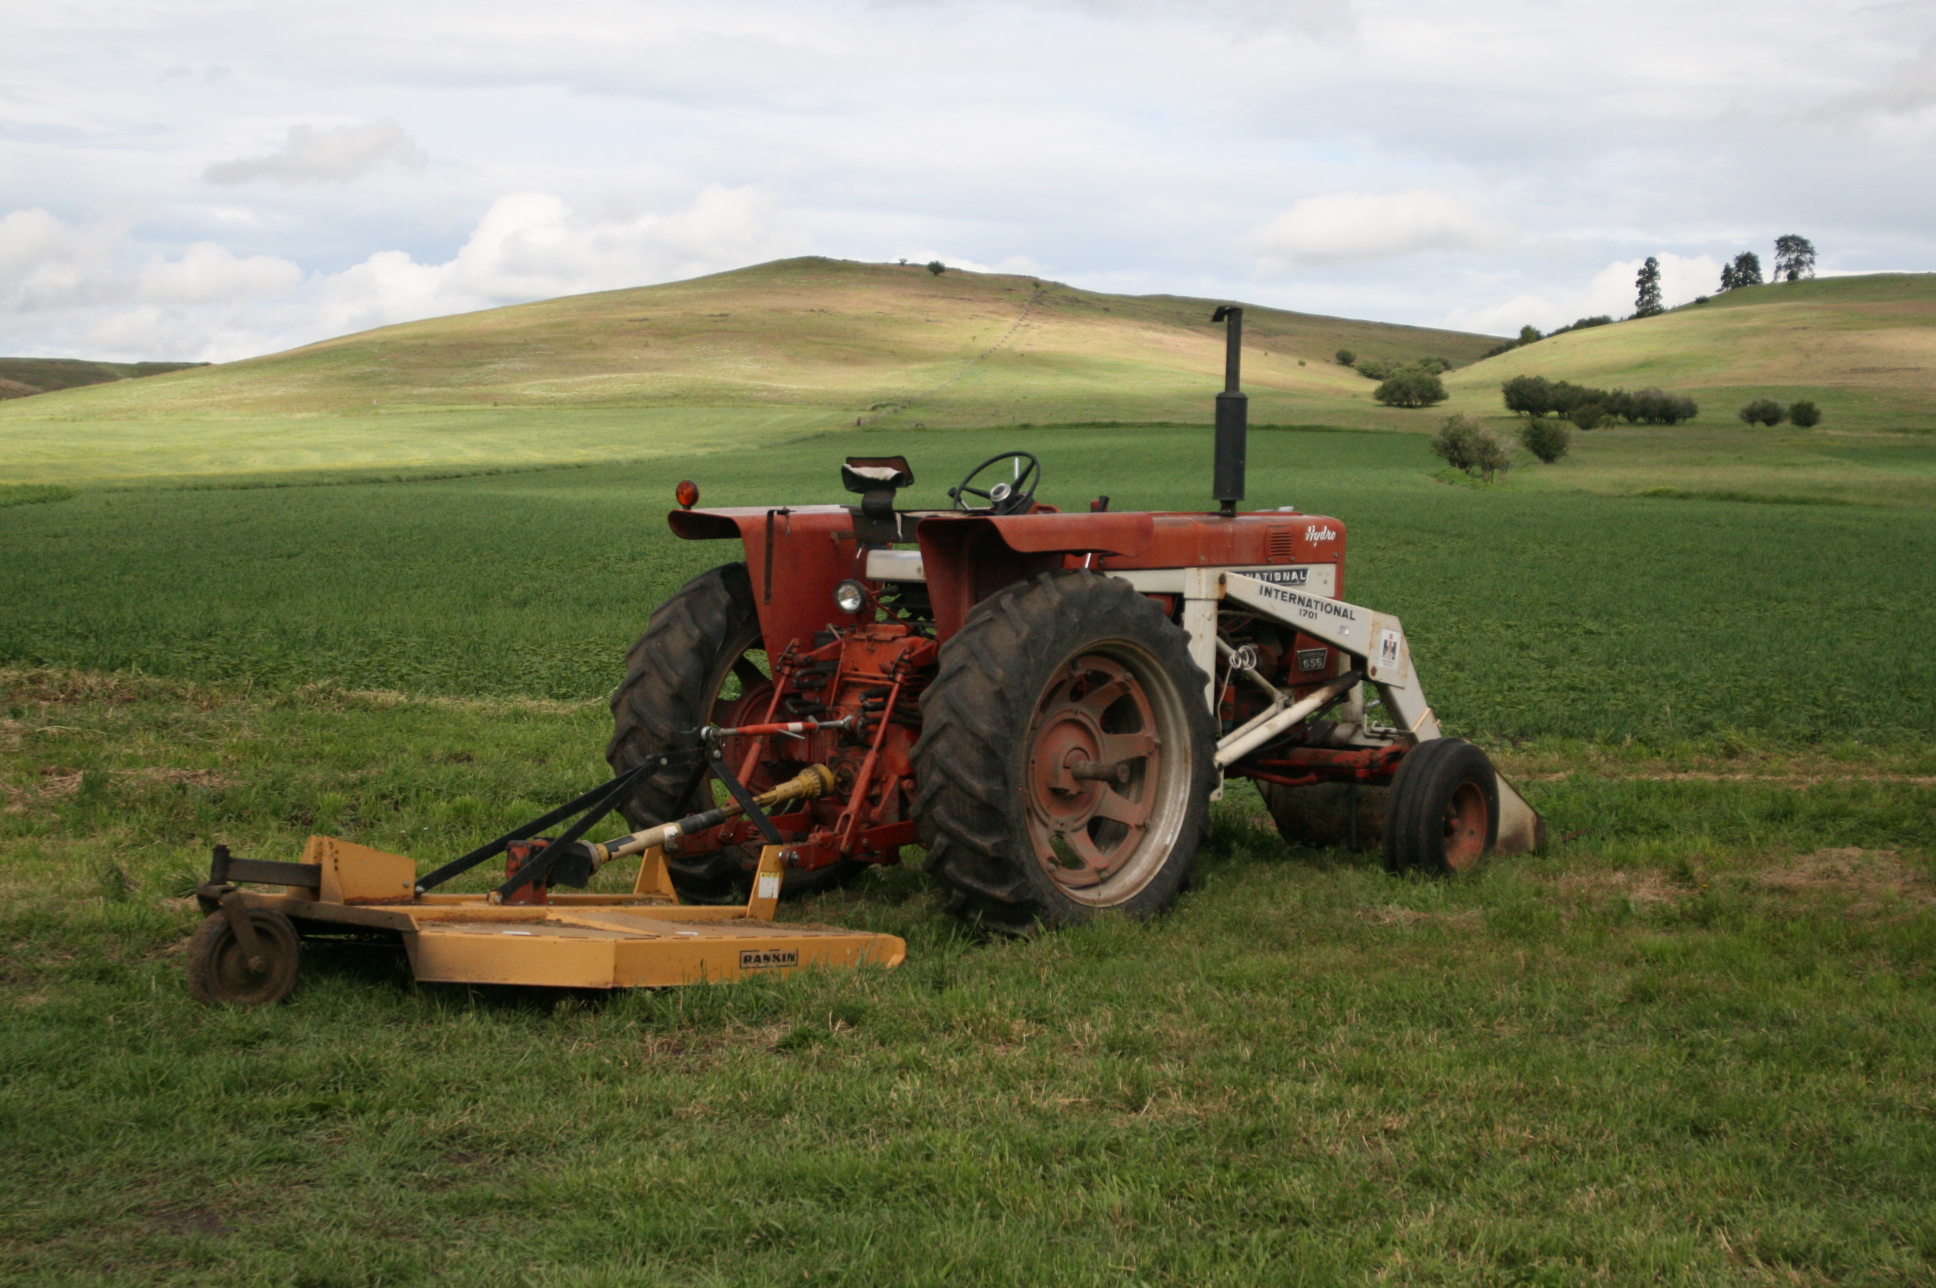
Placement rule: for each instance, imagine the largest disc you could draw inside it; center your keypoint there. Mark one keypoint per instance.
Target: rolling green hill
(1862, 347)
(735, 359)
(22, 377)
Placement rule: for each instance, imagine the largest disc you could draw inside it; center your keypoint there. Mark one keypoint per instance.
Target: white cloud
(1910, 89)
(211, 274)
(533, 246)
(333, 155)
(66, 288)
(1611, 292)
(1352, 227)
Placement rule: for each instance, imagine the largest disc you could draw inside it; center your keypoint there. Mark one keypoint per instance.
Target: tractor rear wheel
(700, 661)
(1065, 756)
(1442, 815)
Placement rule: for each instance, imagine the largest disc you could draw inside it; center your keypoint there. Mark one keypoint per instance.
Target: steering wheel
(1012, 497)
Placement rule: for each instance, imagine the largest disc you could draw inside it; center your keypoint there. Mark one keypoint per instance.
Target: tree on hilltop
(1647, 301)
(936, 267)
(1744, 271)
(1794, 258)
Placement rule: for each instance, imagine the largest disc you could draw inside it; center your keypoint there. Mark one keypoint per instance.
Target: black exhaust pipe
(1233, 414)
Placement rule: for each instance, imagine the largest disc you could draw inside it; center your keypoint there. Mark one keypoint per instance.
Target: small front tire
(1442, 814)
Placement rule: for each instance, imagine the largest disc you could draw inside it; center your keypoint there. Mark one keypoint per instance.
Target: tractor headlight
(850, 596)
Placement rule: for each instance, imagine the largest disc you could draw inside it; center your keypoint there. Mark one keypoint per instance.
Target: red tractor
(1047, 702)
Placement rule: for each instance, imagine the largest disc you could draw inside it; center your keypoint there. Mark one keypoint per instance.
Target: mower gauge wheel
(1013, 496)
(219, 970)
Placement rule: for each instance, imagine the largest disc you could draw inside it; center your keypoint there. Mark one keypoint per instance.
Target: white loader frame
(1376, 641)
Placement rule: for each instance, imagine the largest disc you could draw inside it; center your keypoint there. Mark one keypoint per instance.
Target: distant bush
(1763, 411)
(1537, 396)
(1346, 357)
(1465, 444)
(1546, 439)
(1700, 299)
(1410, 388)
(1652, 407)
(1591, 416)
(936, 267)
(1530, 334)
(1376, 368)
(1433, 366)
(1804, 414)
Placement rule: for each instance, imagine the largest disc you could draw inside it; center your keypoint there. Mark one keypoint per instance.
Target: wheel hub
(1095, 715)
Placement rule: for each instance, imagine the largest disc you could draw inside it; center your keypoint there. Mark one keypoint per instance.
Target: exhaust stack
(1233, 414)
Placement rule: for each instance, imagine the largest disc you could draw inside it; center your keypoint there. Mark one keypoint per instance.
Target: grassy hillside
(21, 377)
(733, 359)
(1864, 348)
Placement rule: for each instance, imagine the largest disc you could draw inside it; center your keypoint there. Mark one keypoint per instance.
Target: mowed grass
(1533, 613)
(1686, 1046)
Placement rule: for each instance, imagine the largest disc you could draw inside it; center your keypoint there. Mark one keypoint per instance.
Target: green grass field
(1687, 1044)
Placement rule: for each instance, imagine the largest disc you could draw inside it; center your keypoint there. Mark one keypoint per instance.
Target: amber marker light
(687, 493)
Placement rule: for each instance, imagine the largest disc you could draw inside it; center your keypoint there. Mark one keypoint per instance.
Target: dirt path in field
(1001, 342)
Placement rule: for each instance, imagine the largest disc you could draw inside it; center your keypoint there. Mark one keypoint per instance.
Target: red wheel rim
(1467, 820)
(1094, 712)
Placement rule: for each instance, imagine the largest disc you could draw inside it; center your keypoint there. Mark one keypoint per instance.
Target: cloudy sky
(212, 179)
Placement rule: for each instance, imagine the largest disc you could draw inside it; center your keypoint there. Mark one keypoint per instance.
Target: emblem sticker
(768, 958)
(1389, 656)
(1281, 576)
(1312, 659)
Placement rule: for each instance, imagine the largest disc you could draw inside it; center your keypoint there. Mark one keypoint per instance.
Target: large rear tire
(700, 661)
(1069, 670)
(1442, 815)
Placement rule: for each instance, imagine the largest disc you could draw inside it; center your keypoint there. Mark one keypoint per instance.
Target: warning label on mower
(768, 958)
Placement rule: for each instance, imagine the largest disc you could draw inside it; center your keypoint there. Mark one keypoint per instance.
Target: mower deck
(644, 939)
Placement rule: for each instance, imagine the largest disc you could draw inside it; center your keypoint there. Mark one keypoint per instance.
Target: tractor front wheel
(1065, 756)
(1442, 814)
(700, 661)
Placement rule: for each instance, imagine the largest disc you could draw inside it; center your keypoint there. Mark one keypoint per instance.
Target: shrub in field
(1538, 396)
(1465, 444)
(1547, 439)
(1410, 387)
(1652, 407)
(1375, 368)
(1434, 366)
(1804, 414)
(936, 267)
(1346, 357)
(1590, 416)
(1528, 395)
(1763, 411)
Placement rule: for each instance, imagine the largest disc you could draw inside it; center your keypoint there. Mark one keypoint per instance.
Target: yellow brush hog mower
(1046, 703)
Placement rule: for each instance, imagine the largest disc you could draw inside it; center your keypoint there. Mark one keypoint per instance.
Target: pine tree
(1647, 302)
(1794, 258)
